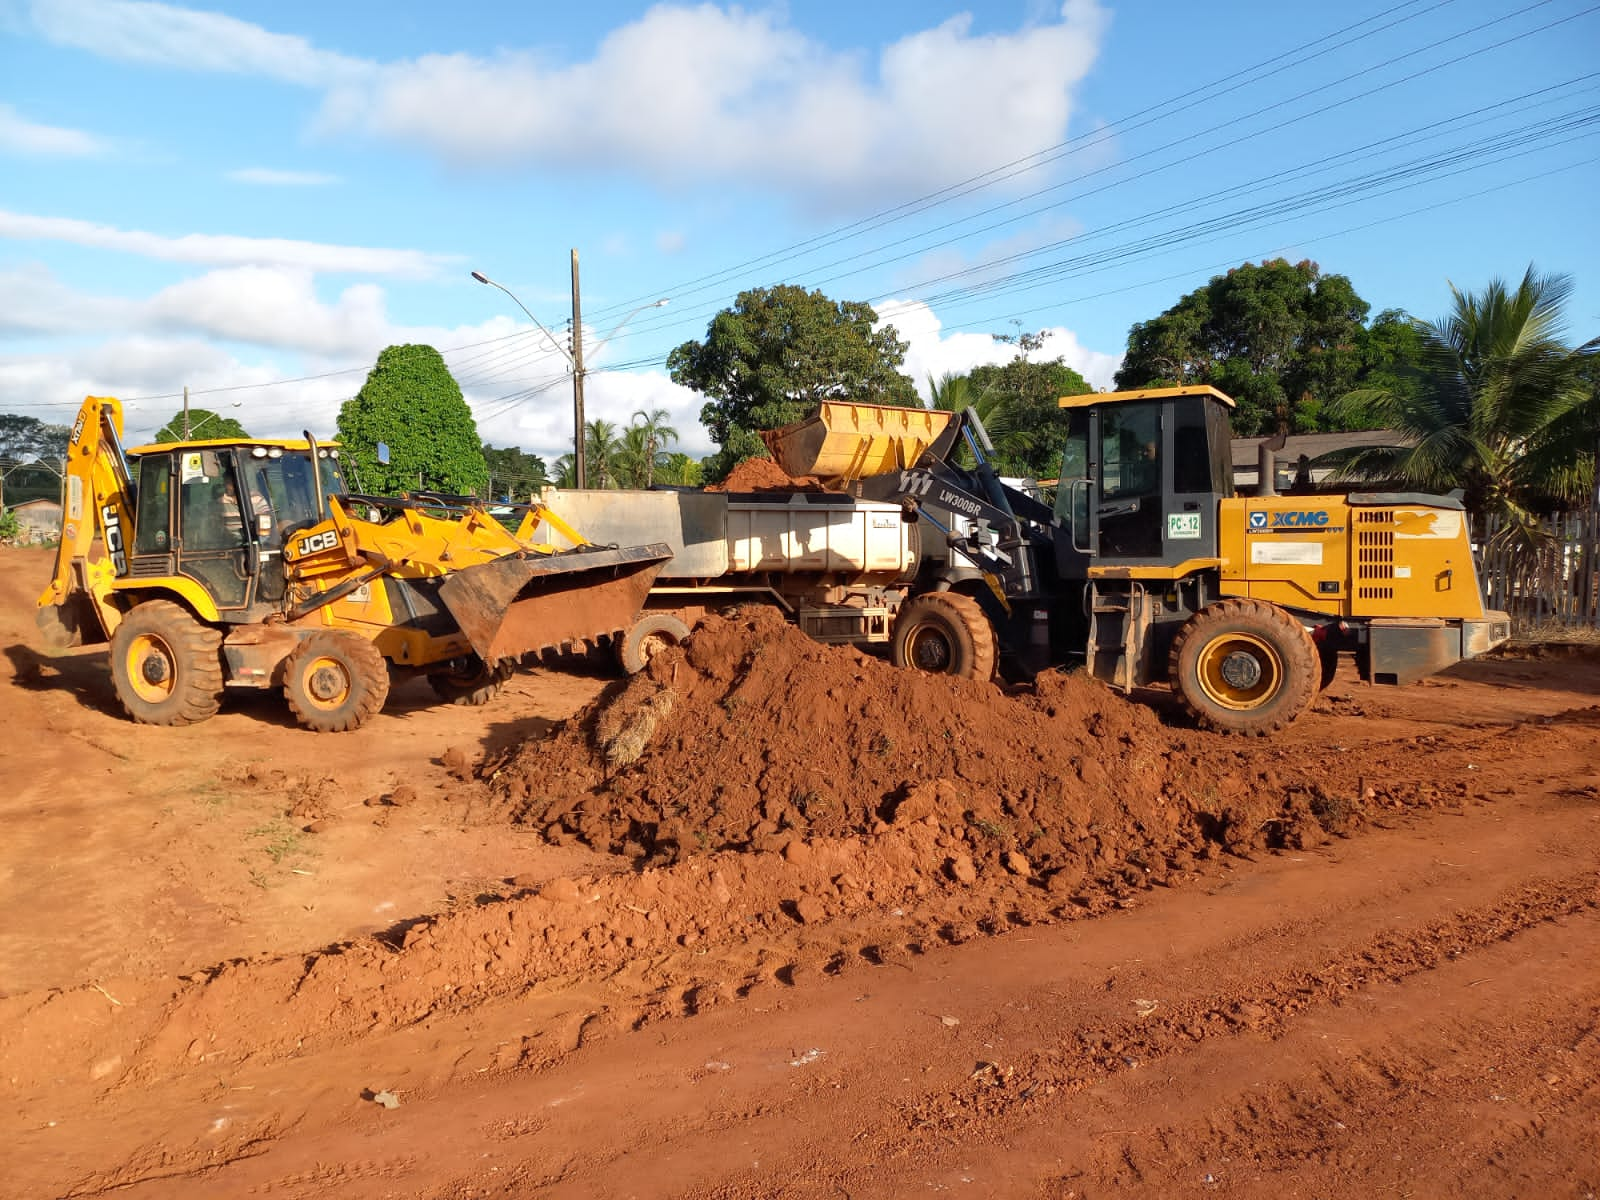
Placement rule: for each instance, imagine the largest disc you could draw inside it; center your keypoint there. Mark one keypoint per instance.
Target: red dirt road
(196, 994)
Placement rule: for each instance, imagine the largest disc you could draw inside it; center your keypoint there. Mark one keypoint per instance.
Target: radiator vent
(1374, 551)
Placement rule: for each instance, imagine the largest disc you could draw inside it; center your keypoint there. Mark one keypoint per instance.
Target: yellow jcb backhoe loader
(248, 563)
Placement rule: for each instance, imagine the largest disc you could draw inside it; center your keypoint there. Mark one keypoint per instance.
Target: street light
(482, 278)
(193, 429)
(574, 357)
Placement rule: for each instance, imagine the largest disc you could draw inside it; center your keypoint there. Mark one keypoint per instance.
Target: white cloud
(932, 352)
(270, 177)
(223, 249)
(670, 241)
(684, 93)
(18, 135)
(167, 36)
(681, 94)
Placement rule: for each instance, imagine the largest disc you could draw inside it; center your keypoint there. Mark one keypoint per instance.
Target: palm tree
(564, 474)
(632, 459)
(657, 433)
(600, 447)
(1500, 396)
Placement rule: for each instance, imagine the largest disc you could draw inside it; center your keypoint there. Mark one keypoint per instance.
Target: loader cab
(1141, 474)
(217, 513)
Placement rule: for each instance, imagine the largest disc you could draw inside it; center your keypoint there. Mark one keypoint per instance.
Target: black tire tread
(369, 672)
(1301, 665)
(199, 649)
(960, 610)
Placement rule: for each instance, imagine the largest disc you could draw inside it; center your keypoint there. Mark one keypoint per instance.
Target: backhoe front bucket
(525, 603)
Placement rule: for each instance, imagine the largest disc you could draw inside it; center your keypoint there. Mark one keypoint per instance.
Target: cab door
(214, 542)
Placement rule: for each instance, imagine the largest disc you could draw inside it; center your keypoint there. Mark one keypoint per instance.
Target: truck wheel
(648, 637)
(1244, 666)
(335, 680)
(166, 665)
(944, 633)
(468, 681)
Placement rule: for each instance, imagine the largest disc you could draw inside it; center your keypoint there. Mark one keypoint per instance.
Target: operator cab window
(209, 507)
(1130, 492)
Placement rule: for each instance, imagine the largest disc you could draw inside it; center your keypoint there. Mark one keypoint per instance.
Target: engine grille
(1374, 553)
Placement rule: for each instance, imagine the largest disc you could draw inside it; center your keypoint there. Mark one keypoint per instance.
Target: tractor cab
(1141, 474)
(218, 512)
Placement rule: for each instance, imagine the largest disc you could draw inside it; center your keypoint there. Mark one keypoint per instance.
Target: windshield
(282, 483)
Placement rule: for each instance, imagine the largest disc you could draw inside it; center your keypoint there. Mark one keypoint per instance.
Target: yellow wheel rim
(1240, 671)
(152, 668)
(930, 649)
(327, 682)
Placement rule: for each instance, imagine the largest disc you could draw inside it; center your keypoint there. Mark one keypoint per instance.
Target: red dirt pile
(764, 475)
(754, 736)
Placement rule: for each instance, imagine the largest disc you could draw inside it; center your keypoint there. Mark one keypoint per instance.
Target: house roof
(1247, 450)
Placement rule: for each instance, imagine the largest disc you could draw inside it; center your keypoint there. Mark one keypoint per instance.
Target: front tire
(335, 680)
(944, 633)
(469, 681)
(166, 665)
(1244, 666)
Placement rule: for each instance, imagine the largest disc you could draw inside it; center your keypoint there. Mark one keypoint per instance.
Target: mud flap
(529, 602)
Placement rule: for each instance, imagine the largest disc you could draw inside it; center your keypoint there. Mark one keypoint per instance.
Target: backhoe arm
(76, 609)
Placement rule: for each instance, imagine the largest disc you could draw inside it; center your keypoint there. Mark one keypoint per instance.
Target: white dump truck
(838, 567)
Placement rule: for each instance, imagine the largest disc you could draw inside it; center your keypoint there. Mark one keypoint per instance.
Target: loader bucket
(525, 603)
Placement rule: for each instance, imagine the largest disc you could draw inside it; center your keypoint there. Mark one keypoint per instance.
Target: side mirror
(383, 453)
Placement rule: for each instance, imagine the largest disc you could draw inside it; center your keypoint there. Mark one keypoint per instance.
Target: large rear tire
(335, 680)
(944, 633)
(468, 681)
(166, 665)
(647, 637)
(1244, 666)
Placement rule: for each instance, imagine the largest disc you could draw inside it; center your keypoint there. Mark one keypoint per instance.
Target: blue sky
(238, 197)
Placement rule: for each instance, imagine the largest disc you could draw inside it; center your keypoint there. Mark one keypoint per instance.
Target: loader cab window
(1202, 459)
(152, 530)
(1072, 489)
(209, 507)
(286, 484)
(1131, 464)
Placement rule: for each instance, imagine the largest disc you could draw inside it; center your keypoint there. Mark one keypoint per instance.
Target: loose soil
(764, 475)
(775, 919)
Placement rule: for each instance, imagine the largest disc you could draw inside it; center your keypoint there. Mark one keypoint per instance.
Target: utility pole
(186, 412)
(578, 462)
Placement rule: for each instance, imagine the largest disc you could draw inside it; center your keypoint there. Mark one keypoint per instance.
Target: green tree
(679, 470)
(1498, 405)
(1016, 401)
(514, 472)
(28, 437)
(564, 474)
(413, 404)
(602, 449)
(657, 433)
(1284, 340)
(204, 425)
(777, 353)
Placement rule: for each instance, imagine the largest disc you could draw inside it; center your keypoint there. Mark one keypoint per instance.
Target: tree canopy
(28, 437)
(413, 404)
(1016, 401)
(1284, 340)
(775, 355)
(203, 425)
(514, 472)
(1497, 404)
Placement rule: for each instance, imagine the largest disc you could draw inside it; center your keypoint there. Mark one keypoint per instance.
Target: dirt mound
(764, 475)
(754, 736)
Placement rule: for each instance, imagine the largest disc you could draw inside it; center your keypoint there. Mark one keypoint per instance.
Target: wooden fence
(1558, 583)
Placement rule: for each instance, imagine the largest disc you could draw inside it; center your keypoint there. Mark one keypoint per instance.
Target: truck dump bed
(852, 441)
(715, 534)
